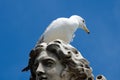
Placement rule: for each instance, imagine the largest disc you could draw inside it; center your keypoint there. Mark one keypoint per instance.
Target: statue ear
(31, 55)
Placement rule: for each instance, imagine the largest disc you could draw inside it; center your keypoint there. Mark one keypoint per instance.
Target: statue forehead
(46, 55)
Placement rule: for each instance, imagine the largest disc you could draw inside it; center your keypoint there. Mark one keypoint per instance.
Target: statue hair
(76, 67)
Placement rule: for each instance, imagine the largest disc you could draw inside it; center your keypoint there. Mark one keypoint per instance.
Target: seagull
(63, 29)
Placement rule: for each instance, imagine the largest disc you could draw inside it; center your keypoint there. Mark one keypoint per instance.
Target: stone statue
(58, 60)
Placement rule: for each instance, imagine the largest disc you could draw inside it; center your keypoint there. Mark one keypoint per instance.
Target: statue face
(49, 67)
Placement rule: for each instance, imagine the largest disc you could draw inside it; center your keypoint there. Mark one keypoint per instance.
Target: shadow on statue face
(48, 67)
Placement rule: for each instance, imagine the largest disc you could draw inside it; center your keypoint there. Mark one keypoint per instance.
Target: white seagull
(63, 29)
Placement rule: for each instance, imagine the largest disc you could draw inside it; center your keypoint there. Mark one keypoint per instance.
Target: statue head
(58, 61)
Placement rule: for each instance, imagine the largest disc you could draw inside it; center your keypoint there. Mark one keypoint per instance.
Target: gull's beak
(86, 29)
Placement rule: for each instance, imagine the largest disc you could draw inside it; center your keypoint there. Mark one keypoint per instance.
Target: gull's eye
(83, 21)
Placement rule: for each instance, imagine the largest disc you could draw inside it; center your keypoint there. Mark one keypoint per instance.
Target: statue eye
(48, 63)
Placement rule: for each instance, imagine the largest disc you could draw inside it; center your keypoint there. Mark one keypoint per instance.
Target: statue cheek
(53, 74)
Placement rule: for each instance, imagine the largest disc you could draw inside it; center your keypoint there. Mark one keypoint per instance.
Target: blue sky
(23, 21)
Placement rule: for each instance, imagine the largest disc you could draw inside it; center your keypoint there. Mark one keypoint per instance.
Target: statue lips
(42, 77)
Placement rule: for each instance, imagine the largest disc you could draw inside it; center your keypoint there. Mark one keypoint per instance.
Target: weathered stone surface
(58, 60)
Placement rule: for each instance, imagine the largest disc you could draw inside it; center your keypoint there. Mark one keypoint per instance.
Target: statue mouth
(42, 78)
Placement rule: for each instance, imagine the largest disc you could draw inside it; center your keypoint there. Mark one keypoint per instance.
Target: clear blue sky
(23, 21)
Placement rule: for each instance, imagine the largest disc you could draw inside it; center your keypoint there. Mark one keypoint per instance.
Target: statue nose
(40, 73)
(40, 69)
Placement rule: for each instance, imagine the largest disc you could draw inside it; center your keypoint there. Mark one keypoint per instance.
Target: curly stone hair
(76, 66)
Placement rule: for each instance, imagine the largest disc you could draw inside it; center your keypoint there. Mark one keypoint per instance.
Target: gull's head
(81, 23)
